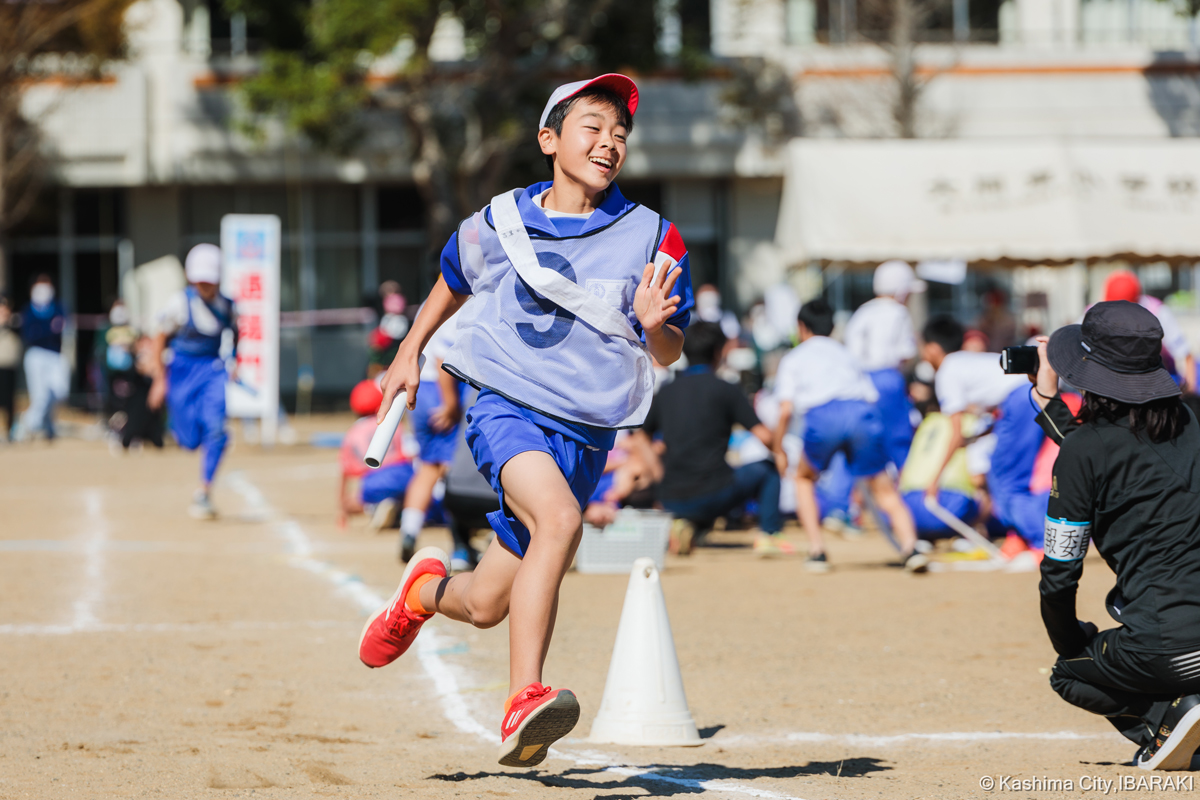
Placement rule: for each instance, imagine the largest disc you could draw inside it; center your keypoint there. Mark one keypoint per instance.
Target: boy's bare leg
(538, 495)
(479, 597)
(806, 506)
(420, 488)
(891, 503)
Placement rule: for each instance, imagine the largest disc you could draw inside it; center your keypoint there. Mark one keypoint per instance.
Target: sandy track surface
(145, 654)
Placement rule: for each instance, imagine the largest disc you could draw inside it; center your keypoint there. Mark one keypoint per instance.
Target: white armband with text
(1066, 540)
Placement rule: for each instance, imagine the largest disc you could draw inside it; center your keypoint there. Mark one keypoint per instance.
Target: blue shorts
(390, 481)
(1025, 513)
(497, 430)
(437, 447)
(929, 526)
(895, 409)
(852, 427)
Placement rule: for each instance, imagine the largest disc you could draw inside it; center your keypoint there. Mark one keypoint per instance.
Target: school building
(146, 161)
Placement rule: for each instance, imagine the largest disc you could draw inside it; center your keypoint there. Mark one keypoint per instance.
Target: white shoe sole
(201, 513)
(422, 554)
(1176, 753)
(917, 563)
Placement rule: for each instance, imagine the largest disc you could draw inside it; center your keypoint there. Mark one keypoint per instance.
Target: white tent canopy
(1029, 200)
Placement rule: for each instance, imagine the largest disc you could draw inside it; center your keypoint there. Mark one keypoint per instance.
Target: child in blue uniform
(571, 290)
(880, 335)
(822, 381)
(194, 383)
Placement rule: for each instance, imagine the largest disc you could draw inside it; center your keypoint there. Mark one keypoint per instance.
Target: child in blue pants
(821, 380)
(194, 383)
(572, 290)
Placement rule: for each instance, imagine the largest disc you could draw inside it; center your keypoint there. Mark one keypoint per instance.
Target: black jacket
(1142, 501)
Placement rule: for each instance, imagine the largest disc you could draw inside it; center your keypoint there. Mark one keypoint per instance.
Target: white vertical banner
(250, 246)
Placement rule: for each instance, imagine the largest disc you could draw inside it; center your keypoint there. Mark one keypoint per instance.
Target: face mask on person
(42, 294)
(708, 306)
(119, 315)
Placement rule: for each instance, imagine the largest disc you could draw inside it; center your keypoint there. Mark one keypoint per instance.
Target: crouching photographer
(1127, 478)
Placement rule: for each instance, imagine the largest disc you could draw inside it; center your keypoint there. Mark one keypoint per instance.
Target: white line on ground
(16, 629)
(93, 583)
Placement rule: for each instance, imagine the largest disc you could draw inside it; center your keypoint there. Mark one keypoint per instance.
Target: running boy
(194, 384)
(564, 314)
(822, 381)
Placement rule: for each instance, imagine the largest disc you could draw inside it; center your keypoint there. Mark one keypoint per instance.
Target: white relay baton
(382, 439)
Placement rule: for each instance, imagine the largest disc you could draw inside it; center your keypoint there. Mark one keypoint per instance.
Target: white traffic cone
(643, 700)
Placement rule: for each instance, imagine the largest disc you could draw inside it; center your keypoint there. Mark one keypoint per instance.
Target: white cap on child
(894, 278)
(624, 88)
(203, 264)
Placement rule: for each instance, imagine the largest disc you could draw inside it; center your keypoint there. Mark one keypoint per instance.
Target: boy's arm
(404, 375)
(158, 384)
(956, 441)
(654, 304)
(450, 412)
(781, 427)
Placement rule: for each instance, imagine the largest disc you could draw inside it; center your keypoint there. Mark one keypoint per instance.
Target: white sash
(549, 284)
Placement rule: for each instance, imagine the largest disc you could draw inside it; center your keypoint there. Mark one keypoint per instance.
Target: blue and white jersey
(519, 344)
(196, 326)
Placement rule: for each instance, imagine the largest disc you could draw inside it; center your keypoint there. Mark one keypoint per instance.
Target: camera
(1019, 360)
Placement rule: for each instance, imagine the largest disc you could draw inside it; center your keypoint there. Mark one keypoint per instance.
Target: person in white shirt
(880, 335)
(822, 381)
(976, 381)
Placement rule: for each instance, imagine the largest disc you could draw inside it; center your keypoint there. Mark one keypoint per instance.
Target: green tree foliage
(470, 123)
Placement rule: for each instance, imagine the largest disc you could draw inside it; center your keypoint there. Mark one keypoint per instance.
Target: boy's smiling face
(591, 150)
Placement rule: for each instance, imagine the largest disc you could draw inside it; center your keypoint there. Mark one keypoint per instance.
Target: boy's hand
(444, 418)
(402, 376)
(1045, 382)
(157, 393)
(653, 302)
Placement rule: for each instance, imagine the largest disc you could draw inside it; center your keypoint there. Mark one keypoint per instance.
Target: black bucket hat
(1116, 352)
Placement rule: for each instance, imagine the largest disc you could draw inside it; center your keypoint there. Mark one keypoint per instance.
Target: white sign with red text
(250, 246)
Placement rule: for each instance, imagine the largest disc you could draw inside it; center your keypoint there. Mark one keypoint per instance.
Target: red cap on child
(1122, 285)
(365, 398)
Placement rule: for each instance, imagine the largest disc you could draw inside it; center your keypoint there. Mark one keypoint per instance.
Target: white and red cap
(622, 86)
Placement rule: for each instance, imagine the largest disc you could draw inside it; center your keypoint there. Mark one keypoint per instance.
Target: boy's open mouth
(603, 164)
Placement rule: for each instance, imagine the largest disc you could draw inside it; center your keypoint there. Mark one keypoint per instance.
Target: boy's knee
(561, 523)
(484, 614)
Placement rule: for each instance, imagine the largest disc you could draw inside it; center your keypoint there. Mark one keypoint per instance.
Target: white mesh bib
(525, 347)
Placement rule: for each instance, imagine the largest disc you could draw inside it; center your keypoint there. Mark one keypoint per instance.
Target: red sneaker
(392, 629)
(1013, 544)
(535, 718)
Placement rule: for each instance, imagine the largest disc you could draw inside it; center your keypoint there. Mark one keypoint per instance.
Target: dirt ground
(144, 654)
